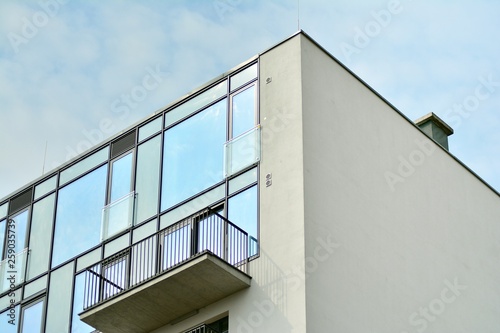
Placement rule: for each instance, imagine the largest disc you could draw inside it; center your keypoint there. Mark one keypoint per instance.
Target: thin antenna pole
(298, 14)
(44, 157)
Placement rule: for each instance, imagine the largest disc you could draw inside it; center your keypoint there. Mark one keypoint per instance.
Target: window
(118, 214)
(78, 326)
(41, 235)
(242, 211)
(14, 237)
(193, 155)
(148, 178)
(31, 317)
(243, 115)
(78, 217)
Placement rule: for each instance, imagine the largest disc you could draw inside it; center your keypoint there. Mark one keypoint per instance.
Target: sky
(73, 72)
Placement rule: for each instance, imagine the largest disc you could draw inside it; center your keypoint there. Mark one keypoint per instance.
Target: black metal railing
(202, 329)
(204, 231)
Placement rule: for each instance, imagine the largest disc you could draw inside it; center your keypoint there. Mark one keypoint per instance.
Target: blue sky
(67, 66)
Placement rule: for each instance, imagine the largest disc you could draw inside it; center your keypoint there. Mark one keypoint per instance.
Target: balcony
(176, 271)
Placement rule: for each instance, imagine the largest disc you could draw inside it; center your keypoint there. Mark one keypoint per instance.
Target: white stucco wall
(418, 253)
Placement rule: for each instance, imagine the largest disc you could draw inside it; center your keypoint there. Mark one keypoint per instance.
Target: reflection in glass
(78, 326)
(242, 152)
(84, 165)
(121, 177)
(192, 155)
(45, 187)
(242, 211)
(20, 225)
(40, 236)
(243, 77)
(243, 111)
(59, 300)
(5, 326)
(78, 218)
(195, 103)
(147, 178)
(32, 318)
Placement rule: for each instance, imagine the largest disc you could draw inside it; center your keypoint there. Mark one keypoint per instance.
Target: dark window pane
(78, 218)
(193, 155)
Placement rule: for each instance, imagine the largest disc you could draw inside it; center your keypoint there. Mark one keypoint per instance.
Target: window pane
(116, 245)
(3, 210)
(242, 211)
(144, 231)
(78, 218)
(243, 111)
(121, 177)
(84, 165)
(78, 326)
(32, 318)
(7, 323)
(243, 77)
(242, 180)
(3, 230)
(45, 187)
(40, 236)
(242, 152)
(20, 225)
(148, 178)
(192, 155)
(149, 129)
(35, 286)
(196, 103)
(59, 300)
(88, 259)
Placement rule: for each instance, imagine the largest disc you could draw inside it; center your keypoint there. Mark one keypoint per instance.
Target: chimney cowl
(435, 128)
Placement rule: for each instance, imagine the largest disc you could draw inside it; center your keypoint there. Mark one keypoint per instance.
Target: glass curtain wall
(161, 174)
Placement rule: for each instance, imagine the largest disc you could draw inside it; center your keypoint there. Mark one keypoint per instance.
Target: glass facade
(118, 194)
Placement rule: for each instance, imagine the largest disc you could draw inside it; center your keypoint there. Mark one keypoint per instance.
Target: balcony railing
(202, 232)
(202, 329)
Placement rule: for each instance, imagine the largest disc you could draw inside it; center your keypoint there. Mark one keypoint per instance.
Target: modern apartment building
(283, 196)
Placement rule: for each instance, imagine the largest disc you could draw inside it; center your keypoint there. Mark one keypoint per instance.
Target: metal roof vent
(435, 128)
